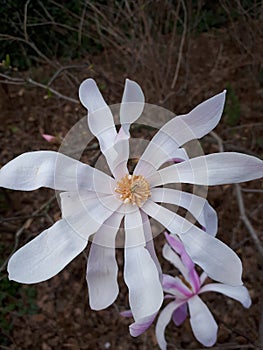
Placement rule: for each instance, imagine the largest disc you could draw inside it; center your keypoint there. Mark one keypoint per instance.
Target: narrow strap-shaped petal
(216, 258)
(132, 105)
(46, 255)
(162, 154)
(102, 268)
(74, 202)
(181, 129)
(163, 320)
(33, 170)
(219, 261)
(202, 322)
(174, 286)
(87, 216)
(139, 327)
(180, 314)
(98, 208)
(140, 272)
(212, 169)
(174, 222)
(149, 242)
(100, 119)
(197, 206)
(190, 274)
(171, 256)
(239, 293)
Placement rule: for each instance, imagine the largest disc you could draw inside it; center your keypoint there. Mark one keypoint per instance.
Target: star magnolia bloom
(184, 291)
(93, 202)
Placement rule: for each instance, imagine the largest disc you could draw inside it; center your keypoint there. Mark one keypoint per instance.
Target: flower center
(133, 189)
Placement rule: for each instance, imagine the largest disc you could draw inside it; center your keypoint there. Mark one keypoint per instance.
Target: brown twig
(240, 201)
(180, 54)
(22, 228)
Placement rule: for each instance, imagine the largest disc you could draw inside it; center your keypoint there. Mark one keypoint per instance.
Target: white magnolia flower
(183, 293)
(95, 203)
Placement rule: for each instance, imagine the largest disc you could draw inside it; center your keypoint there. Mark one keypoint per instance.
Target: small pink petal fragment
(49, 138)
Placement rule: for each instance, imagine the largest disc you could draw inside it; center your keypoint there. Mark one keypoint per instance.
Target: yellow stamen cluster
(133, 189)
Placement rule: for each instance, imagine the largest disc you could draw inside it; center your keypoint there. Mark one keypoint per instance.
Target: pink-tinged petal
(87, 216)
(181, 129)
(197, 206)
(215, 257)
(102, 268)
(140, 272)
(33, 170)
(219, 261)
(132, 104)
(139, 327)
(212, 169)
(163, 320)
(239, 293)
(126, 313)
(180, 314)
(171, 256)
(202, 322)
(174, 286)
(190, 273)
(149, 242)
(46, 255)
(49, 138)
(179, 155)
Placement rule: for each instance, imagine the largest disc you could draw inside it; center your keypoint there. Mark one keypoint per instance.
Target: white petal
(134, 233)
(202, 322)
(102, 268)
(215, 257)
(162, 154)
(33, 170)
(149, 241)
(174, 258)
(131, 108)
(46, 255)
(213, 169)
(181, 129)
(100, 119)
(219, 261)
(140, 272)
(163, 320)
(137, 328)
(90, 96)
(87, 216)
(172, 221)
(132, 103)
(197, 206)
(117, 157)
(175, 286)
(239, 293)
